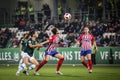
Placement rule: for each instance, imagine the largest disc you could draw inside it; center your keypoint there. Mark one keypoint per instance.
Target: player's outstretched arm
(34, 46)
(39, 46)
(45, 42)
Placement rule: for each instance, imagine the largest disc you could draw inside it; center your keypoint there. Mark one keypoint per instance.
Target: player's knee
(37, 64)
(62, 58)
(26, 62)
(46, 60)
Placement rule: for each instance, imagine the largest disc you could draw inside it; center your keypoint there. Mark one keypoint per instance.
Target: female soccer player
(28, 53)
(86, 48)
(50, 51)
(22, 47)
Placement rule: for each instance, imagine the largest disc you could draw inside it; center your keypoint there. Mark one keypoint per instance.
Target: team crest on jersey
(87, 39)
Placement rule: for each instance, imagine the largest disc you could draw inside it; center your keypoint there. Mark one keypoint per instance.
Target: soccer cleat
(90, 71)
(36, 74)
(17, 73)
(58, 72)
(26, 73)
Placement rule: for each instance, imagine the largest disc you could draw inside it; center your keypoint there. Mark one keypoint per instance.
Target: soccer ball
(67, 16)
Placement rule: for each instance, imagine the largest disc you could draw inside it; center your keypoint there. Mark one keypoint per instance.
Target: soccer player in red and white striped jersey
(50, 51)
(87, 40)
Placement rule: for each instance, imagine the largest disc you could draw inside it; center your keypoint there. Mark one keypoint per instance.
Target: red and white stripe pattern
(86, 41)
(53, 43)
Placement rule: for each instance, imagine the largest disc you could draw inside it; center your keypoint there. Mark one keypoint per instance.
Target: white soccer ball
(8, 65)
(73, 65)
(67, 16)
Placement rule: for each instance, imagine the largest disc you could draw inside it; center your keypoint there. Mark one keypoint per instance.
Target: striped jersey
(86, 41)
(54, 40)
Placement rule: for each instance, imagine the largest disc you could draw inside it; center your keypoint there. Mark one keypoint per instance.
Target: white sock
(31, 67)
(20, 63)
(23, 66)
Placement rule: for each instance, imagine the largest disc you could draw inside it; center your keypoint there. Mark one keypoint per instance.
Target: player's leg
(23, 65)
(89, 62)
(42, 63)
(19, 67)
(82, 59)
(20, 62)
(61, 59)
(34, 63)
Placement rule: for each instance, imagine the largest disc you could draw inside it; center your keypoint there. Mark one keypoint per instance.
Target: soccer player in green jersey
(29, 51)
(23, 43)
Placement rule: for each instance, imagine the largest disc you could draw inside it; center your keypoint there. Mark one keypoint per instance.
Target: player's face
(36, 34)
(86, 30)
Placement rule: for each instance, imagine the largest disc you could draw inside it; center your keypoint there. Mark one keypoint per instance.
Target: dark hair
(27, 35)
(32, 32)
(86, 26)
(54, 31)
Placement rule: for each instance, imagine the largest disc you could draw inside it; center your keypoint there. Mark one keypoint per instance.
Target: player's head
(55, 31)
(86, 29)
(34, 34)
(26, 35)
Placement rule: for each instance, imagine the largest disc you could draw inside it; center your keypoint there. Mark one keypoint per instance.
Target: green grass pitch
(70, 73)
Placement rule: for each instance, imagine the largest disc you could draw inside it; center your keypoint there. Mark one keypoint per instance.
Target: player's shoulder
(91, 35)
(53, 36)
(82, 35)
(29, 40)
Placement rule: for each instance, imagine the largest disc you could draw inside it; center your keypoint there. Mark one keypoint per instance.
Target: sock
(90, 64)
(31, 67)
(20, 63)
(23, 66)
(60, 64)
(85, 64)
(40, 65)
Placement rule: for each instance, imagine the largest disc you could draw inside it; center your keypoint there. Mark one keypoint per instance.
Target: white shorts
(23, 54)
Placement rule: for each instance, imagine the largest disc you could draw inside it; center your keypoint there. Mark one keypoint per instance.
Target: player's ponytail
(27, 35)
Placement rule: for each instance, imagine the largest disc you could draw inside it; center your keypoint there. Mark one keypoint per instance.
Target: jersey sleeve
(29, 42)
(80, 38)
(51, 39)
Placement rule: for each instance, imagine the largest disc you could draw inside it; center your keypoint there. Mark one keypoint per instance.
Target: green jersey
(24, 44)
(28, 49)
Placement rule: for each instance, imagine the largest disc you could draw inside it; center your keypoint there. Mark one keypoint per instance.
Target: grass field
(70, 73)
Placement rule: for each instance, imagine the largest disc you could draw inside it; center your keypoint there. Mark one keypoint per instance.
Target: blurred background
(102, 16)
(18, 16)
